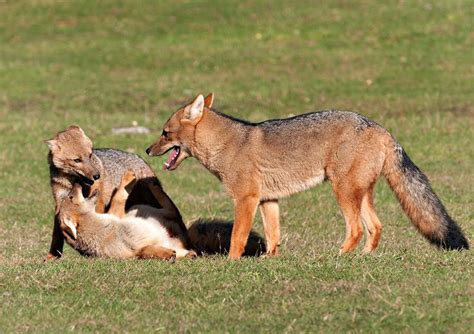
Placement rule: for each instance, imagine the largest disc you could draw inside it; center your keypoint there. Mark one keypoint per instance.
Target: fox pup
(72, 160)
(258, 163)
(142, 232)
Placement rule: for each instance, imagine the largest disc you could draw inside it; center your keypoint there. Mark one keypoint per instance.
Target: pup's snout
(148, 150)
(96, 177)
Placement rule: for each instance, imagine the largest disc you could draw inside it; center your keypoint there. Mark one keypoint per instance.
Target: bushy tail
(420, 203)
(213, 237)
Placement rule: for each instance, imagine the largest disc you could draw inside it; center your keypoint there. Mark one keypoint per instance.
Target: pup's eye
(77, 160)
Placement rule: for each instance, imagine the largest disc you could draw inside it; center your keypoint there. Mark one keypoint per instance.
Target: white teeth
(167, 164)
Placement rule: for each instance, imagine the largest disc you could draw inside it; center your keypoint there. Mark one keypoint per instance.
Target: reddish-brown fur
(258, 163)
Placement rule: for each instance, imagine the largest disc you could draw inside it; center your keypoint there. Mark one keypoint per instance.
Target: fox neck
(93, 224)
(93, 232)
(213, 135)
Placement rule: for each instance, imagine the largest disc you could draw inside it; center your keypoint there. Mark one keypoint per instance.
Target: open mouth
(87, 181)
(172, 158)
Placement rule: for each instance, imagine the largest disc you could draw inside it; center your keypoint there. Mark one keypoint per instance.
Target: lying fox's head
(71, 153)
(178, 132)
(73, 207)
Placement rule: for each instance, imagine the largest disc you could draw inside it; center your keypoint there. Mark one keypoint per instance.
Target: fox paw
(191, 254)
(171, 258)
(128, 177)
(50, 257)
(128, 181)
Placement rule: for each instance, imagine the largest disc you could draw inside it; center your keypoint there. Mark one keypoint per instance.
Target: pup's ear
(209, 100)
(53, 145)
(75, 128)
(193, 112)
(70, 228)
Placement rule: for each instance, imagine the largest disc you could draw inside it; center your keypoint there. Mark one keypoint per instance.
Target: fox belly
(289, 182)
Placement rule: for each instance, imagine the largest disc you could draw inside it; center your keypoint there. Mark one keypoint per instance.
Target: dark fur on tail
(213, 237)
(419, 201)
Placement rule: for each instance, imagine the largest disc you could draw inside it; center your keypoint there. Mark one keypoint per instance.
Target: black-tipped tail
(420, 203)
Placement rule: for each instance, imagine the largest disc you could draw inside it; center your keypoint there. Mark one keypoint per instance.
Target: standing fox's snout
(179, 131)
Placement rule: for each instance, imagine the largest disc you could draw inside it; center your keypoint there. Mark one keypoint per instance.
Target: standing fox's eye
(77, 160)
(165, 133)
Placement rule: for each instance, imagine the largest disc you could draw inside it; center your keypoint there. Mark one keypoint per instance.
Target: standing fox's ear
(209, 100)
(52, 144)
(193, 112)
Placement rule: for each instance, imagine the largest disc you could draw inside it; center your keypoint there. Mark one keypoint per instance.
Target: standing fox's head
(71, 153)
(178, 132)
(73, 207)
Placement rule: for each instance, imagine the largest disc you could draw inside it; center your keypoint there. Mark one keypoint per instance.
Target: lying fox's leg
(100, 204)
(118, 200)
(57, 244)
(371, 222)
(168, 210)
(183, 252)
(271, 224)
(350, 202)
(245, 209)
(152, 251)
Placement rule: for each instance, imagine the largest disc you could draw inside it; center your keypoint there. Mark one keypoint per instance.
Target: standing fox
(259, 163)
(72, 160)
(142, 232)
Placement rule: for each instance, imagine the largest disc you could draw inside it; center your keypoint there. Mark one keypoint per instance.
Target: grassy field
(409, 65)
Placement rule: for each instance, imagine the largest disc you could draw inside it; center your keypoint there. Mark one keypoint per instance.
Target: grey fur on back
(116, 163)
(316, 117)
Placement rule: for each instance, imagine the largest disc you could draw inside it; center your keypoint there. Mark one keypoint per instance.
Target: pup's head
(73, 207)
(178, 132)
(71, 152)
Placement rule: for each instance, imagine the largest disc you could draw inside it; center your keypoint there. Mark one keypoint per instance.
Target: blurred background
(104, 64)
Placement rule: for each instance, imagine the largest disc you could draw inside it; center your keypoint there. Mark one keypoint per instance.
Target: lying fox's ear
(70, 228)
(193, 112)
(52, 144)
(209, 100)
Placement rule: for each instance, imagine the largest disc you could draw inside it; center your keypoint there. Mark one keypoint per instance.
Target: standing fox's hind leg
(350, 201)
(371, 222)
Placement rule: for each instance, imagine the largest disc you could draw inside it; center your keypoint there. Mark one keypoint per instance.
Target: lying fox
(142, 232)
(73, 160)
(259, 163)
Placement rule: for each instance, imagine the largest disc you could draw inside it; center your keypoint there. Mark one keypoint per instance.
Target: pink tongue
(171, 157)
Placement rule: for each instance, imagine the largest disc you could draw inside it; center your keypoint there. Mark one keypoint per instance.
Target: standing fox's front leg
(245, 209)
(57, 243)
(271, 223)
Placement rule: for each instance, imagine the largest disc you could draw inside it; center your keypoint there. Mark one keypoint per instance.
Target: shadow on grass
(212, 236)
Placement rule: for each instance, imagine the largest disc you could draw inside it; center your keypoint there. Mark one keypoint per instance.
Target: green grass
(406, 64)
